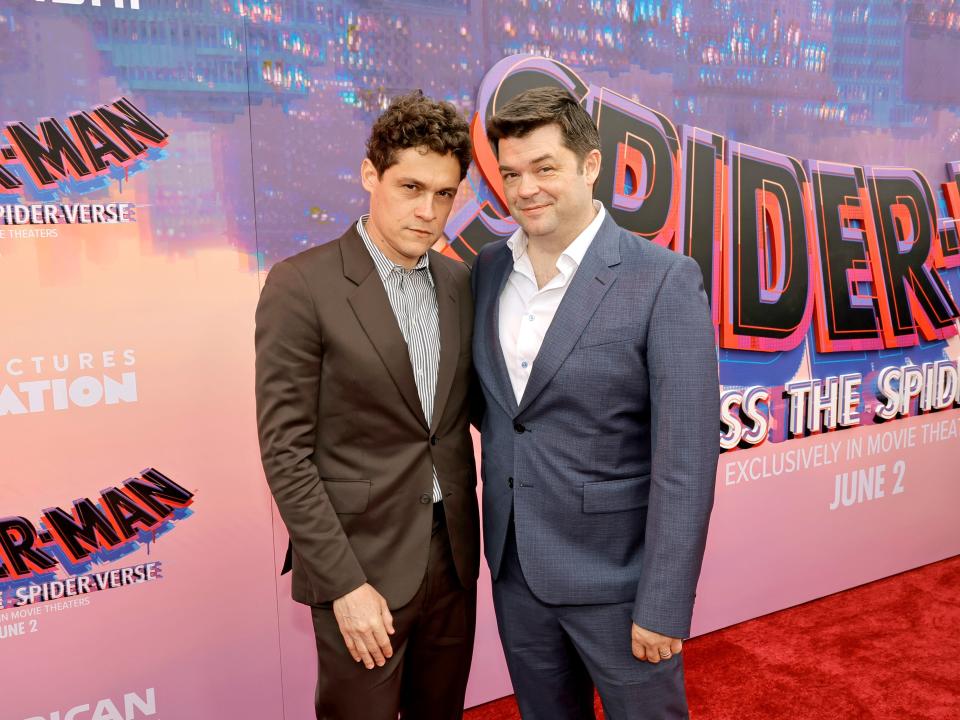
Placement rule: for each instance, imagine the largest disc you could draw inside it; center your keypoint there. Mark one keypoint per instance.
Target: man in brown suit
(363, 374)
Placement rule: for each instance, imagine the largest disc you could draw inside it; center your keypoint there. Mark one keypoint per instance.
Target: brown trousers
(426, 679)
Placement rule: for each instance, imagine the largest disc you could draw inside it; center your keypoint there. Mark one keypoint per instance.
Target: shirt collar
(574, 252)
(385, 265)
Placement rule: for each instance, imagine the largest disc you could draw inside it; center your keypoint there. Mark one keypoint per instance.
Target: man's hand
(653, 647)
(365, 623)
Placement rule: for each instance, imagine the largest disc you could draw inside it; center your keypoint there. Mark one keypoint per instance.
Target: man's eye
(546, 169)
(445, 194)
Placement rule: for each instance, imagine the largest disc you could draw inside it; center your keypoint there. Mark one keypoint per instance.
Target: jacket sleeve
(289, 356)
(685, 444)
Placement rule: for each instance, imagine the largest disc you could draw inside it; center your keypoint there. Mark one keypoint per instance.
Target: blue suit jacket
(608, 462)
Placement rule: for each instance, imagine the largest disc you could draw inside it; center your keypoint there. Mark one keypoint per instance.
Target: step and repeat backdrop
(157, 157)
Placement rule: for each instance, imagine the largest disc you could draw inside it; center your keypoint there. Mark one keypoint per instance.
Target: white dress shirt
(526, 311)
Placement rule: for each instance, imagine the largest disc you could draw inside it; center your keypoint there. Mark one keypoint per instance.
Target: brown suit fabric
(427, 677)
(345, 447)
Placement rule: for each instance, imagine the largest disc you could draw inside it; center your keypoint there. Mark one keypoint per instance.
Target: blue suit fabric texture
(598, 484)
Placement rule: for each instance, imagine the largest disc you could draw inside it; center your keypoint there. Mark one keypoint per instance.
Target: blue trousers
(557, 654)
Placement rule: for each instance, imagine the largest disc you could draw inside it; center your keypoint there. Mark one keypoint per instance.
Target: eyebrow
(535, 161)
(418, 183)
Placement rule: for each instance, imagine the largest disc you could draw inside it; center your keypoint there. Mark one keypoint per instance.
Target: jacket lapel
(372, 308)
(448, 307)
(590, 283)
(499, 379)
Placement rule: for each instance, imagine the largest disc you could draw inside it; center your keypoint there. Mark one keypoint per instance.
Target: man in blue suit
(596, 356)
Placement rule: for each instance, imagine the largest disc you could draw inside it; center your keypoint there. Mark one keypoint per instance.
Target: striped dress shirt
(413, 298)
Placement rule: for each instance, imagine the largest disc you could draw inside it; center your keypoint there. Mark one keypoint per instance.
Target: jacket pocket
(606, 496)
(348, 496)
(609, 330)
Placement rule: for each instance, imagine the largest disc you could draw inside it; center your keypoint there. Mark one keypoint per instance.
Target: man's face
(410, 202)
(547, 192)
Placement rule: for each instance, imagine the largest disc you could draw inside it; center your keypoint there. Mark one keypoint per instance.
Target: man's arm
(289, 357)
(684, 407)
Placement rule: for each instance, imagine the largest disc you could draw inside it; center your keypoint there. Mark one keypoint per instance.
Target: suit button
(510, 481)
(519, 428)
(425, 498)
(433, 440)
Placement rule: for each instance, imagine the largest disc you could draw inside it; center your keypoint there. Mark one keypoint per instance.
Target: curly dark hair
(414, 120)
(541, 106)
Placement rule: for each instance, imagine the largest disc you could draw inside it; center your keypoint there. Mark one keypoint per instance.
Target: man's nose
(425, 209)
(528, 186)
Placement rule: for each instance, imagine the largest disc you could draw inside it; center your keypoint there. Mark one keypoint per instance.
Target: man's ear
(369, 177)
(591, 166)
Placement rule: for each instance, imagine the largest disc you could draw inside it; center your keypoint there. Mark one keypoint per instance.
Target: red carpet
(889, 650)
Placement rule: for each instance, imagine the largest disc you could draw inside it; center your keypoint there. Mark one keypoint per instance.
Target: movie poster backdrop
(136, 551)
(157, 157)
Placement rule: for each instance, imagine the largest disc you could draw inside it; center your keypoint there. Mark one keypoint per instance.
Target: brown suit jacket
(345, 446)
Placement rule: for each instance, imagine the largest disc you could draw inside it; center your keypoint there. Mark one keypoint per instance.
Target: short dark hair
(414, 120)
(541, 106)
